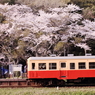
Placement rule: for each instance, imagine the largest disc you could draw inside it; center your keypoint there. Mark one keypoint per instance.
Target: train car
(57, 70)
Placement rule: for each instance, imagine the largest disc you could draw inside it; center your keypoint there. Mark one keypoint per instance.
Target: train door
(63, 70)
(32, 68)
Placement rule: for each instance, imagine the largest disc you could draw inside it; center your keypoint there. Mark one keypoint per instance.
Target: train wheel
(56, 82)
(42, 82)
(61, 83)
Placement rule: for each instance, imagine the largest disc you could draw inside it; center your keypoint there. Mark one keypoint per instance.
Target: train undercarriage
(49, 82)
(45, 82)
(31, 83)
(62, 83)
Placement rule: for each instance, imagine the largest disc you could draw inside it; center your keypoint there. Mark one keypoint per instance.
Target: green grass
(48, 91)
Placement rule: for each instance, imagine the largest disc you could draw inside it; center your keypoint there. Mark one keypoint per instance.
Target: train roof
(61, 57)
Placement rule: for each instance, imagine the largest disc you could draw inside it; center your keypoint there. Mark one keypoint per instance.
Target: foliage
(89, 13)
(10, 2)
(89, 8)
(39, 34)
(8, 45)
(59, 46)
(78, 40)
(91, 43)
(2, 18)
(77, 51)
(41, 3)
(84, 3)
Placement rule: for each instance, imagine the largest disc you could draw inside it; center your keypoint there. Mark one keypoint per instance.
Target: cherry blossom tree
(25, 32)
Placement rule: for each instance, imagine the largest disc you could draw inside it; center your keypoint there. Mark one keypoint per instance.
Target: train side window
(82, 65)
(91, 65)
(72, 65)
(42, 66)
(52, 66)
(33, 65)
(63, 65)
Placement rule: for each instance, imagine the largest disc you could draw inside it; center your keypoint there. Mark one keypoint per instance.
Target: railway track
(17, 83)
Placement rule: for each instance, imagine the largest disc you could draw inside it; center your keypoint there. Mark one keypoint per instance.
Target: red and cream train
(57, 70)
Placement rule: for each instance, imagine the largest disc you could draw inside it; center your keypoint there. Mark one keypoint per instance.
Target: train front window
(72, 65)
(33, 65)
(52, 66)
(42, 66)
(63, 65)
(91, 65)
(82, 65)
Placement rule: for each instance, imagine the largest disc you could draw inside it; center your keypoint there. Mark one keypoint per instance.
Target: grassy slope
(48, 91)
